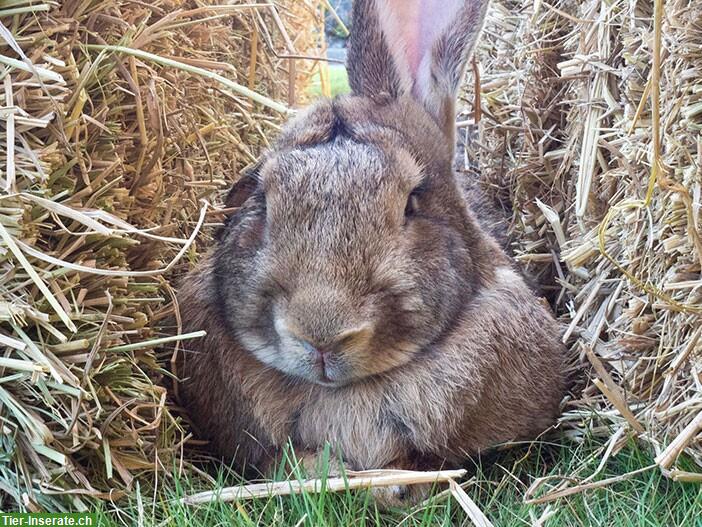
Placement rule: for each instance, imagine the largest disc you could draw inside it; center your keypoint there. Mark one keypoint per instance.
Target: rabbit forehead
(342, 167)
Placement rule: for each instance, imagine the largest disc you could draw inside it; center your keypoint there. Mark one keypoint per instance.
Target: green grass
(338, 79)
(644, 500)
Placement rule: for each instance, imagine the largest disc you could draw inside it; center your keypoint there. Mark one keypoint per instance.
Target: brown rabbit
(354, 297)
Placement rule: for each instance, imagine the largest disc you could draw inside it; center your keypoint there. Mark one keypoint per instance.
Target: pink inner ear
(407, 23)
(412, 27)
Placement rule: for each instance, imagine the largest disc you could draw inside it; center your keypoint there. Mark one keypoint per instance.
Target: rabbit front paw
(400, 496)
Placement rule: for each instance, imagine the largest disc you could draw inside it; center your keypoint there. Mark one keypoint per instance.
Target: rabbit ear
(417, 47)
(245, 186)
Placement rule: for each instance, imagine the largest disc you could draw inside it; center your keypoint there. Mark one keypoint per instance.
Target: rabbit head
(353, 248)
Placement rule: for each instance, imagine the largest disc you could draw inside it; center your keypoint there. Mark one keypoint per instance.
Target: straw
(590, 133)
(356, 480)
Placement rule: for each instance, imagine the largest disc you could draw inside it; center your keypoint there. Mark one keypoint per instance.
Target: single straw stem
(360, 480)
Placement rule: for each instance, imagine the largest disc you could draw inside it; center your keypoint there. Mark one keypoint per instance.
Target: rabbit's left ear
(417, 47)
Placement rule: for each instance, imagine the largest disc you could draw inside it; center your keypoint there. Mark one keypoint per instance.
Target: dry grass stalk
(666, 458)
(576, 489)
(355, 480)
(468, 505)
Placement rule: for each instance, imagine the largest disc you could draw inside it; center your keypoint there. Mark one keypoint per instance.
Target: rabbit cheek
(296, 360)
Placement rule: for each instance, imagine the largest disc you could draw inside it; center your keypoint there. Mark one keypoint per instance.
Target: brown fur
(437, 349)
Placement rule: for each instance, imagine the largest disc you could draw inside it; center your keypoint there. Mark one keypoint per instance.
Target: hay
(121, 121)
(590, 126)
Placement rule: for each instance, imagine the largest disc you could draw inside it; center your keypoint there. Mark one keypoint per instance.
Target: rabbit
(353, 298)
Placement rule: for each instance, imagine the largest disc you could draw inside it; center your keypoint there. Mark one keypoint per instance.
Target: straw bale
(112, 162)
(589, 127)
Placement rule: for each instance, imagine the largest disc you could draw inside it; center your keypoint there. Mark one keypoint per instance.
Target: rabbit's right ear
(245, 186)
(414, 47)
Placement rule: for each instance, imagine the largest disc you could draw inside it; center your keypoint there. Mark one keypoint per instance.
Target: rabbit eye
(412, 205)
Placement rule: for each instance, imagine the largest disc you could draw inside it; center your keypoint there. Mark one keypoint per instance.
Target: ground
(646, 499)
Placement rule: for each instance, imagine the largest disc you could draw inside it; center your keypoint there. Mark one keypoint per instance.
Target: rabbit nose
(318, 354)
